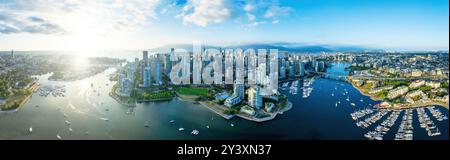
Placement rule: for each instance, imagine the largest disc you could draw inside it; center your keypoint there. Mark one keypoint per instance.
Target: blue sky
(141, 24)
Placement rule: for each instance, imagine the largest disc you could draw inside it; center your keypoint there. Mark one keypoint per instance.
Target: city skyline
(103, 25)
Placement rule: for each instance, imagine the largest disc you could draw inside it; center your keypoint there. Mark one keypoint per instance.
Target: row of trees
(4, 89)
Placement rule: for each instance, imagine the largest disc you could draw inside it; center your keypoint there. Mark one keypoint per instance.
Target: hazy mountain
(281, 46)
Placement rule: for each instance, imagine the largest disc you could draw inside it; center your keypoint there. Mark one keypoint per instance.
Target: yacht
(180, 129)
(59, 137)
(195, 132)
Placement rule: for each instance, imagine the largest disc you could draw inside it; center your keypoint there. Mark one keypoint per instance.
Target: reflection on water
(94, 115)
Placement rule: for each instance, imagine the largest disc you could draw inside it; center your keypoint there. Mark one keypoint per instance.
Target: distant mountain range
(281, 46)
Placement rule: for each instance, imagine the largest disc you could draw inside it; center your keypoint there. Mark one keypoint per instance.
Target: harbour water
(95, 115)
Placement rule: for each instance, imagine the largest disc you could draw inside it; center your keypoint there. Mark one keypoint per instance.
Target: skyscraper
(157, 69)
(145, 57)
(147, 77)
(239, 90)
(316, 66)
(167, 64)
(301, 69)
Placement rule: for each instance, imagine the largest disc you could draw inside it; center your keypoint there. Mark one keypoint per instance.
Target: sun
(84, 34)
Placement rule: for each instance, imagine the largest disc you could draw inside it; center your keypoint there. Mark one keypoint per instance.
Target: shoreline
(227, 117)
(415, 105)
(33, 88)
(265, 119)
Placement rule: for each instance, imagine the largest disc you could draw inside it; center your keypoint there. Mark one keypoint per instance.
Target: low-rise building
(397, 92)
(221, 96)
(269, 107)
(416, 73)
(231, 101)
(433, 84)
(248, 110)
(414, 93)
(417, 84)
(379, 89)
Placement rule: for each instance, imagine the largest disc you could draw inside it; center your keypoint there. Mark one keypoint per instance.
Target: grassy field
(193, 91)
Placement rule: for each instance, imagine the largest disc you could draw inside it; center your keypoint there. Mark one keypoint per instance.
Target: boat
(65, 115)
(348, 99)
(70, 129)
(171, 121)
(146, 124)
(207, 126)
(180, 129)
(336, 104)
(36, 105)
(31, 129)
(232, 125)
(67, 122)
(361, 100)
(106, 109)
(195, 132)
(105, 119)
(59, 137)
(353, 104)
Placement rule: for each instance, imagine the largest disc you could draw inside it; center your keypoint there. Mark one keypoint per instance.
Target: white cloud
(204, 12)
(105, 15)
(249, 7)
(276, 10)
(251, 17)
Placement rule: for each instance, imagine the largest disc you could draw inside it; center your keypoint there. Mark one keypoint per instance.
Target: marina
(54, 90)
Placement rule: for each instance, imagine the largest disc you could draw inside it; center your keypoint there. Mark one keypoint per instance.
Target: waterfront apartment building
(157, 70)
(147, 77)
(301, 69)
(248, 110)
(379, 89)
(282, 72)
(397, 92)
(417, 84)
(231, 101)
(239, 90)
(414, 93)
(254, 97)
